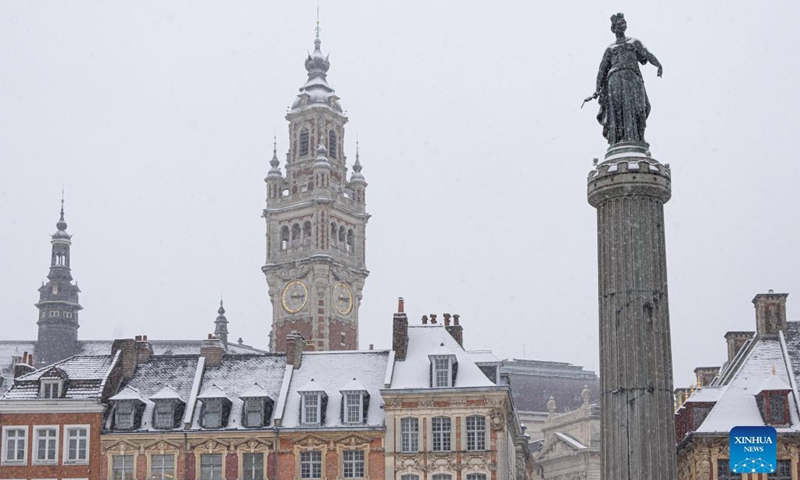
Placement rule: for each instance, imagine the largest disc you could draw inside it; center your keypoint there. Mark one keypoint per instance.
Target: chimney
(144, 350)
(770, 312)
(30, 359)
(372, 346)
(735, 341)
(424, 319)
(433, 319)
(295, 344)
(128, 356)
(456, 330)
(705, 375)
(400, 331)
(23, 367)
(212, 350)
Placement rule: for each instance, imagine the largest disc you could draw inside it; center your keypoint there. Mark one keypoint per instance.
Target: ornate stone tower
(316, 221)
(629, 190)
(58, 303)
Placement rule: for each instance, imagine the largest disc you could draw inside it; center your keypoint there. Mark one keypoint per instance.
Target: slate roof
(332, 371)
(534, 381)
(85, 378)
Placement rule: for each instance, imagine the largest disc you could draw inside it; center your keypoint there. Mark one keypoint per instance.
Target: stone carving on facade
(343, 275)
(121, 447)
(162, 446)
(352, 439)
(293, 273)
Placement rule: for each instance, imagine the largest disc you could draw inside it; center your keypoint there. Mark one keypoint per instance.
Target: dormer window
(169, 407)
(216, 407)
(355, 402)
(128, 408)
(257, 408)
(50, 389)
(124, 415)
(443, 367)
(773, 401)
(311, 408)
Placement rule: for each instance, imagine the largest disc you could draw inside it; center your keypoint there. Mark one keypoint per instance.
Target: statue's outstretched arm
(653, 60)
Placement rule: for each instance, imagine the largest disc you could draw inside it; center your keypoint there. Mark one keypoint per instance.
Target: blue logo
(753, 450)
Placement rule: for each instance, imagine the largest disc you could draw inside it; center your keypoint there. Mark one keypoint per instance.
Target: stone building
(756, 386)
(316, 221)
(571, 443)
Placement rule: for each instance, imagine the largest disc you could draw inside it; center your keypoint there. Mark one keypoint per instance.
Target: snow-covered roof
(773, 383)
(483, 357)
(85, 377)
(167, 393)
(570, 441)
(331, 371)
(255, 391)
(128, 393)
(423, 340)
(736, 399)
(212, 391)
(353, 386)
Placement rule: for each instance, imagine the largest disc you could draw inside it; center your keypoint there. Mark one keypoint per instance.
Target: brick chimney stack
(400, 331)
(770, 312)
(456, 330)
(24, 366)
(128, 355)
(212, 349)
(295, 344)
(433, 318)
(144, 349)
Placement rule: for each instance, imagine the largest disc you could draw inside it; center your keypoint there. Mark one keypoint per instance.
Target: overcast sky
(158, 119)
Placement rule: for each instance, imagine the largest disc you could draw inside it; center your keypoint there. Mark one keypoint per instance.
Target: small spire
(221, 309)
(221, 329)
(317, 29)
(62, 224)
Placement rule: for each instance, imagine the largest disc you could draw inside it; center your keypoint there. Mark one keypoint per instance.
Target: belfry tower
(316, 221)
(58, 303)
(629, 190)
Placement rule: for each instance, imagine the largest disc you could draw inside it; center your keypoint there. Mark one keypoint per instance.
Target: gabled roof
(773, 383)
(167, 393)
(255, 391)
(353, 386)
(128, 393)
(212, 391)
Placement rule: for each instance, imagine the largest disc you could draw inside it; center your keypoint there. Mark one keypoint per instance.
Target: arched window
(304, 142)
(295, 235)
(342, 236)
(332, 144)
(307, 233)
(284, 237)
(442, 476)
(350, 240)
(334, 229)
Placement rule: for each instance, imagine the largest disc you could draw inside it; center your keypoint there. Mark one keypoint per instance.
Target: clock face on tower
(342, 298)
(294, 296)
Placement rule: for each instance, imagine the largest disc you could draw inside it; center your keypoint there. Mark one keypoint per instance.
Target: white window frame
(260, 411)
(126, 405)
(477, 476)
(442, 476)
(132, 470)
(477, 442)
(65, 448)
(317, 409)
(359, 397)
(35, 460)
(212, 407)
(448, 438)
(158, 408)
(24, 460)
(354, 463)
(46, 385)
(409, 436)
(221, 455)
(263, 465)
(409, 476)
(437, 369)
(153, 466)
(311, 462)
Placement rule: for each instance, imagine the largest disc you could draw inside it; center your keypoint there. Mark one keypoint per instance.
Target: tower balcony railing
(345, 197)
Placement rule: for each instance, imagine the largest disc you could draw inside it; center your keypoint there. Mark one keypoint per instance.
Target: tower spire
(221, 324)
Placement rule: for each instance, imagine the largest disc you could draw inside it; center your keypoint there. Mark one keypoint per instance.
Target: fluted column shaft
(637, 418)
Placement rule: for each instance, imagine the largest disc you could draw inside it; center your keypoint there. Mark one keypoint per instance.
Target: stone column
(629, 189)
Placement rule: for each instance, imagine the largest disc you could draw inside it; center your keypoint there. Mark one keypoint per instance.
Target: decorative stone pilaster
(629, 189)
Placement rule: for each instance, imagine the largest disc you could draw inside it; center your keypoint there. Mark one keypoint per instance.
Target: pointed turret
(58, 302)
(274, 178)
(358, 184)
(221, 325)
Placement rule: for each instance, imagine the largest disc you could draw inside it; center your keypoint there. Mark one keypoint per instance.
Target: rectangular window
(476, 476)
(442, 476)
(164, 416)
(76, 444)
(311, 464)
(783, 471)
(211, 466)
(440, 427)
(311, 408)
(724, 471)
(45, 444)
(409, 434)
(409, 476)
(50, 389)
(777, 409)
(124, 416)
(15, 441)
(353, 463)
(441, 371)
(253, 466)
(352, 408)
(162, 467)
(122, 467)
(212, 414)
(476, 433)
(254, 408)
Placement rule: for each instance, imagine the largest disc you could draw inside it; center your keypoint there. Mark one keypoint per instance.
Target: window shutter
(180, 407)
(323, 408)
(430, 377)
(455, 371)
(365, 406)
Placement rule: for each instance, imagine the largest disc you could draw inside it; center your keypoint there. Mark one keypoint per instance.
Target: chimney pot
(138, 338)
(424, 319)
(446, 319)
(25, 357)
(371, 346)
(210, 336)
(433, 319)
(455, 318)
(30, 359)
(144, 338)
(400, 305)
